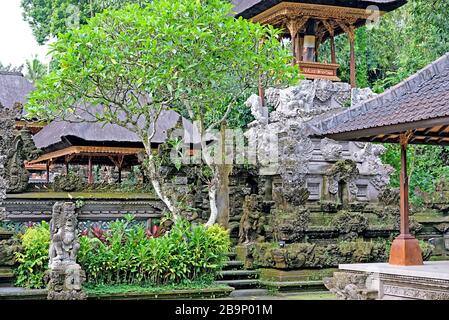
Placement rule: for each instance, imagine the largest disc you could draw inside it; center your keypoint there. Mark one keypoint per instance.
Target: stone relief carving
(66, 275)
(330, 149)
(259, 112)
(349, 286)
(369, 157)
(7, 124)
(286, 137)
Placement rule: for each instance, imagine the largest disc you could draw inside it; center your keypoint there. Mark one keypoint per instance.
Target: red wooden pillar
(405, 250)
(352, 67)
(90, 173)
(48, 171)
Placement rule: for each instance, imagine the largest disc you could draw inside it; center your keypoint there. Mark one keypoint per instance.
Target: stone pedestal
(405, 251)
(66, 282)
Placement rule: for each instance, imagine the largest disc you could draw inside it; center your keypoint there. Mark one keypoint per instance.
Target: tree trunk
(219, 197)
(156, 181)
(213, 202)
(223, 195)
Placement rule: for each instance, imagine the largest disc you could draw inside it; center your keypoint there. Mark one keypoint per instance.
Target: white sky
(17, 43)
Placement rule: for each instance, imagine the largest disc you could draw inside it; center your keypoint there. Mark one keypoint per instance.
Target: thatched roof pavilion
(14, 89)
(89, 142)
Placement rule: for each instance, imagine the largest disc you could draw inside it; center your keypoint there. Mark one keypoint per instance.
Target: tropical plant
(33, 259)
(130, 256)
(35, 69)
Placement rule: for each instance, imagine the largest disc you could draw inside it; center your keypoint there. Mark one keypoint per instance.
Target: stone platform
(359, 281)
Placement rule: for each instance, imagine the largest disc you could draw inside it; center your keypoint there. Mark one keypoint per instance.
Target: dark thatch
(14, 89)
(251, 8)
(61, 134)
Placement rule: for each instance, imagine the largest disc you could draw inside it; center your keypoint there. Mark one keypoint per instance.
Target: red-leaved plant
(155, 232)
(99, 233)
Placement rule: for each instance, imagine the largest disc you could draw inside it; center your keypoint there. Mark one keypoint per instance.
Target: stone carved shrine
(341, 172)
(65, 274)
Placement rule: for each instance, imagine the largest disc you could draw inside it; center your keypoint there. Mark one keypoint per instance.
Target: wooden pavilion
(92, 143)
(415, 111)
(310, 23)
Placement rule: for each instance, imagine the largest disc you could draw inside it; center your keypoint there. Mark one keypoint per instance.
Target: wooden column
(48, 171)
(333, 54)
(294, 26)
(331, 29)
(405, 250)
(90, 174)
(352, 66)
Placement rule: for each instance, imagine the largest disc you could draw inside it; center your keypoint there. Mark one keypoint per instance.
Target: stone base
(405, 251)
(426, 282)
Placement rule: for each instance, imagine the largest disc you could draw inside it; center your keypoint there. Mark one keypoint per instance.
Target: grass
(150, 288)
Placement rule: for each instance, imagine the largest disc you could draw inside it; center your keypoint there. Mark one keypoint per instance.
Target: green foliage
(426, 166)
(49, 18)
(190, 56)
(33, 259)
(35, 69)
(128, 256)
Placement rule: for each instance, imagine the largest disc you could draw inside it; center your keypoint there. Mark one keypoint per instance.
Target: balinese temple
(310, 23)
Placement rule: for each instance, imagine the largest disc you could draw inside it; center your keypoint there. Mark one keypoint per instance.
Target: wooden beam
(87, 150)
(395, 129)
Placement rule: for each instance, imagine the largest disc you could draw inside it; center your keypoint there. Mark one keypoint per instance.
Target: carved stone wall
(7, 123)
(315, 164)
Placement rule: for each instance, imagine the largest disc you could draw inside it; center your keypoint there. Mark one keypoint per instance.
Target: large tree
(49, 18)
(183, 55)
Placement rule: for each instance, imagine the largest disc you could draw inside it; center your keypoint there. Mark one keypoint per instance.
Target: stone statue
(351, 286)
(369, 157)
(22, 149)
(259, 112)
(330, 149)
(253, 220)
(66, 275)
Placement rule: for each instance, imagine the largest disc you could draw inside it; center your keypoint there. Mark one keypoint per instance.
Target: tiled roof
(423, 96)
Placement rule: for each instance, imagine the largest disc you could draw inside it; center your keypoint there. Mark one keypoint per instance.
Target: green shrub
(129, 256)
(33, 259)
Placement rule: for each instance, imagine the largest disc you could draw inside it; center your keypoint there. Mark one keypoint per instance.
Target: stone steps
(239, 284)
(238, 274)
(303, 286)
(249, 293)
(233, 264)
(6, 277)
